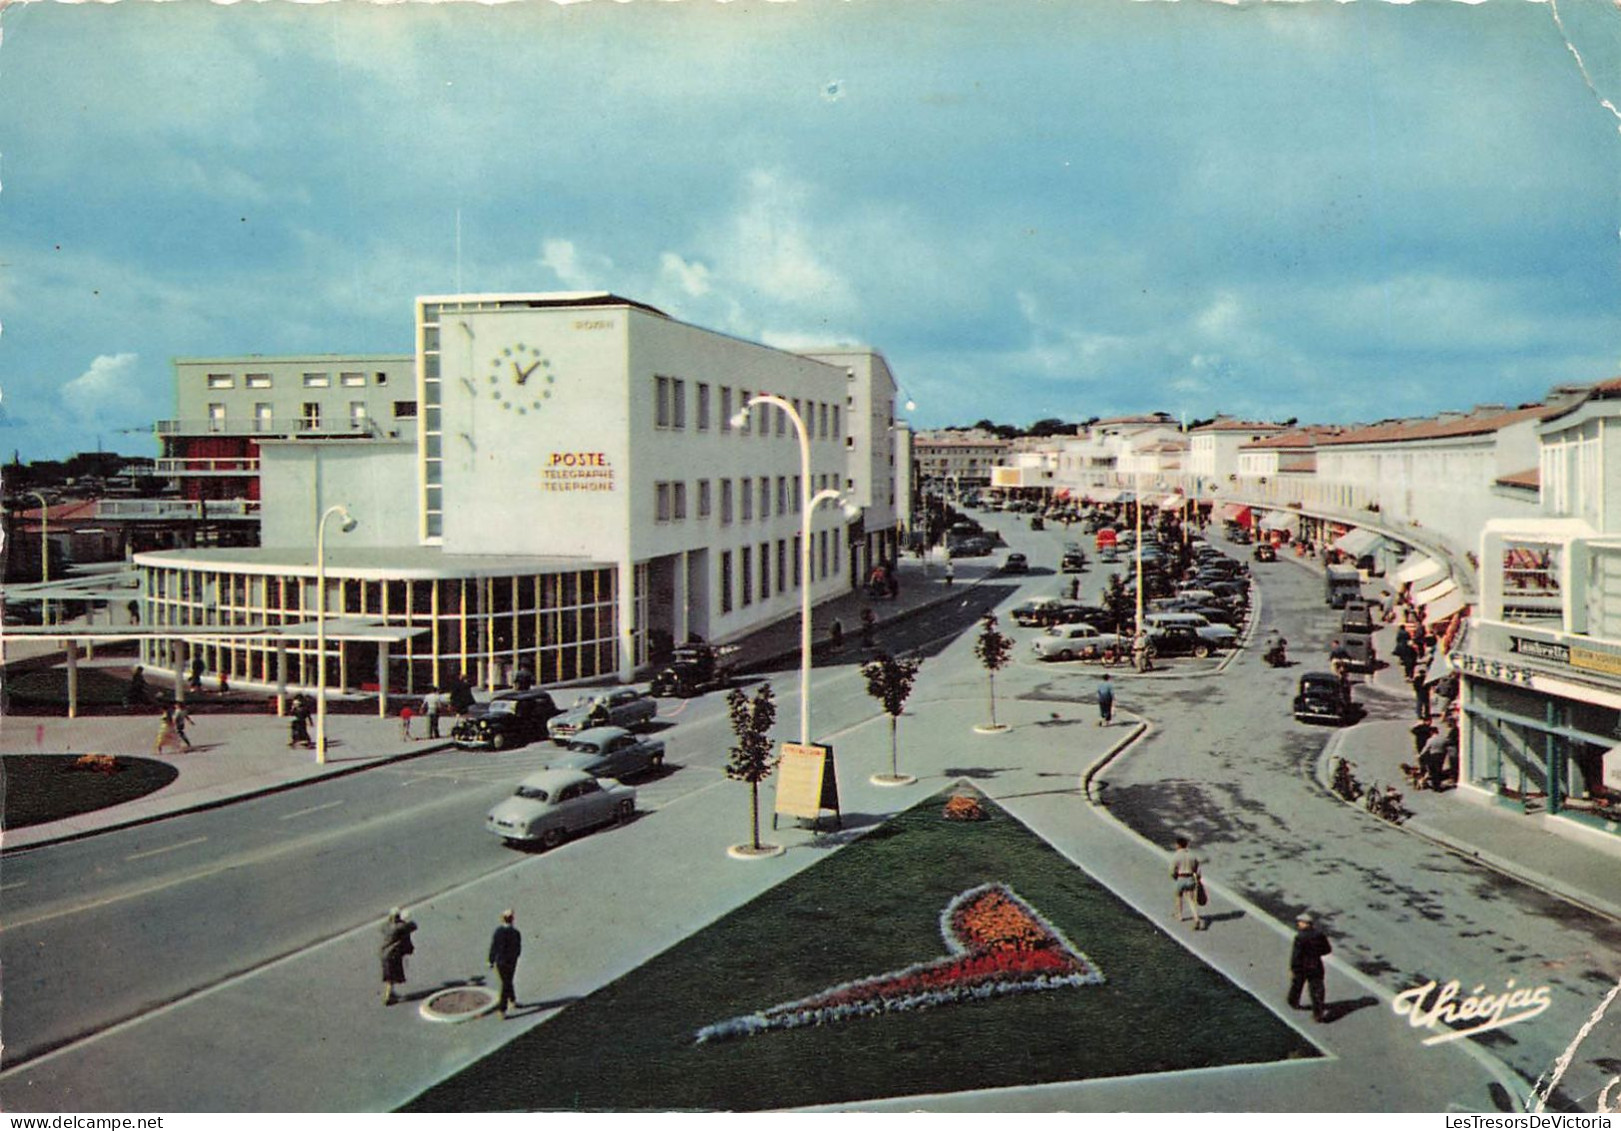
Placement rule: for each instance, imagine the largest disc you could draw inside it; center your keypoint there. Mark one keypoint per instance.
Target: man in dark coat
(461, 695)
(505, 946)
(397, 930)
(1306, 964)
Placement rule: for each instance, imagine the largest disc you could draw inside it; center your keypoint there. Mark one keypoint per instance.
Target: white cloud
(691, 278)
(563, 259)
(771, 248)
(108, 391)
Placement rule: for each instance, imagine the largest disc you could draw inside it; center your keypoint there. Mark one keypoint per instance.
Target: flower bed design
(963, 807)
(997, 944)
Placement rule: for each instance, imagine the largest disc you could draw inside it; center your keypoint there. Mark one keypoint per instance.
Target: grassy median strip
(872, 908)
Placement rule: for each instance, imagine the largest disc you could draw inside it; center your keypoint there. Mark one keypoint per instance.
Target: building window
(823, 554)
(782, 565)
(726, 581)
(765, 496)
(703, 407)
(782, 494)
(353, 380)
(405, 408)
(380, 378)
(799, 496)
(726, 502)
(746, 496)
(678, 403)
(216, 418)
(703, 498)
(317, 380)
(257, 380)
(835, 422)
(745, 580)
(221, 381)
(725, 408)
(310, 418)
(821, 411)
(661, 495)
(798, 562)
(661, 404)
(357, 415)
(679, 500)
(264, 419)
(782, 422)
(743, 407)
(765, 570)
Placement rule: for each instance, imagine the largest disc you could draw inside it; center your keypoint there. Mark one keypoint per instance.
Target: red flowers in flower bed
(998, 944)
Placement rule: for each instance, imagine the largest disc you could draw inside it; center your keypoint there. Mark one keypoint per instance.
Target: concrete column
(281, 677)
(72, 650)
(626, 603)
(382, 679)
(684, 595)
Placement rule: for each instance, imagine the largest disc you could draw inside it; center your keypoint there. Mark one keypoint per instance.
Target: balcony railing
(268, 427)
(203, 466)
(177, 509)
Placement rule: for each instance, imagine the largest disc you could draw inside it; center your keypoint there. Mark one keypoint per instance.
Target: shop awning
(1424, 598)
(1173, 503)
(1445, 605)
(1281, 520)
(1418, 570)
(1358, 543)
(1235, 512)
(1061, 493)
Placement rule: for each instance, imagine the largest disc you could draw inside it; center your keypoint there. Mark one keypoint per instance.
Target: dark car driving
(1322, 698)
(511, 718)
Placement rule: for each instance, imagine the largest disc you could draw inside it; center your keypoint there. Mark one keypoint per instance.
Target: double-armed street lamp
(44, 555)
(349, 523)
(808, 503)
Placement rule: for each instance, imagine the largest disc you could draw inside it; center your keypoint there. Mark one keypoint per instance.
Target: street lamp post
(349, 523)
(808, 503)
(44, 555)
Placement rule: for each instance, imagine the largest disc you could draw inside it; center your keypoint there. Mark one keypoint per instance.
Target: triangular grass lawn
(872, 907)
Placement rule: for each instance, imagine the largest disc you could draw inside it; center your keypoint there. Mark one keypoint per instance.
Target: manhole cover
(459, 1004)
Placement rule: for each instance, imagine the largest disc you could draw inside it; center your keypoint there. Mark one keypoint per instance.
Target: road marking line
(169, 848)
(312, 809)
(17, 884)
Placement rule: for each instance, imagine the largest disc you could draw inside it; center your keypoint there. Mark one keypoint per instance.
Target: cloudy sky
(1328, 211)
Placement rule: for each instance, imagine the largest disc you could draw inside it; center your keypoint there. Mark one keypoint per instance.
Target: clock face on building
(519, 379)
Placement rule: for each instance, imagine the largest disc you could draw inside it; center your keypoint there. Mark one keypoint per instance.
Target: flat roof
(380, 563)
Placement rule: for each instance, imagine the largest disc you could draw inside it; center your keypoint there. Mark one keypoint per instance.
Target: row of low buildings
(1503, 521)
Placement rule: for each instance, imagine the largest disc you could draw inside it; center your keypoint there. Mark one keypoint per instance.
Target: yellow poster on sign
(1594, 661)
(806, 783)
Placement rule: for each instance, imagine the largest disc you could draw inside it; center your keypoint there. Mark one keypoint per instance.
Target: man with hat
(505, 946)
(1311, 946)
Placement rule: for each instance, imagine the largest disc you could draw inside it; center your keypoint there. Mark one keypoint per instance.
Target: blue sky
(1329, 211)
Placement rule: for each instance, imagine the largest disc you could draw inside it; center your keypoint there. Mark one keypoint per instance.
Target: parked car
(1179, 640)
(1340, 585)
(1067, 641)
(1216, 635)
(1322, 698)
(1044, 611)
(610, 752)
(552, 805)
(511, 718)
(1036, 523)
(1016, 563)
(1265, 552)
(623, 707)
(1073, 561)
(1240, 537)
(974, 546)
(695, 669)
(1357, 617)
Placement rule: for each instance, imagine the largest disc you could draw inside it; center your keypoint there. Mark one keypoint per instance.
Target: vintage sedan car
(511, 718)
(1265, 552)
(1323, 698)
(609, 752)
(1067, 641)
(621, 707)
(1016, 563)
(552, 805)
(1179, 640)
(1039, 612)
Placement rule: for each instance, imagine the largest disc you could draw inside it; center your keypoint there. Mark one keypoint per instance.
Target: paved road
(104, 929)
(1229, 766)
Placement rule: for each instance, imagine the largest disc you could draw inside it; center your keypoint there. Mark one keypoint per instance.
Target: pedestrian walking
(1311, 946)
(167, 735)
(397, 931)
(135, 695)
(299, 723)
(835, 635)
(1105, 701)
(433, 705)
(461, 695)
(523, 679)
(1189, 884)
(505, 946)
(1406, 655)
(405, 722)
(182, 719)
(951, 571)
(1421, 690)
(1142, 653)
(196, 682)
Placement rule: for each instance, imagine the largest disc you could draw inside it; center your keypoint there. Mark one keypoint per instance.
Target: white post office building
(575, 490)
